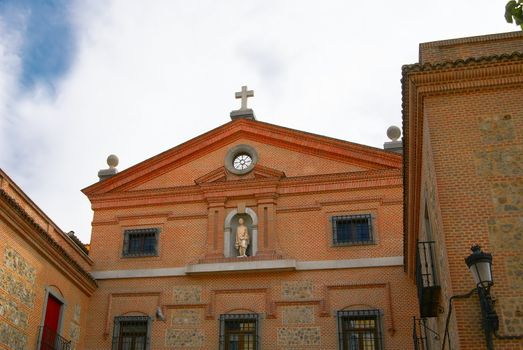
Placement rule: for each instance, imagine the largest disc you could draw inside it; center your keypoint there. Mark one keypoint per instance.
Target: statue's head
(240, 221)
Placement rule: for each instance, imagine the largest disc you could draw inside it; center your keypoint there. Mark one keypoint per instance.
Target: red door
(52, 316)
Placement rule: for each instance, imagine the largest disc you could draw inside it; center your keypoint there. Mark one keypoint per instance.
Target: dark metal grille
(239, 332)
(52, 340)
(141, 242)
(131, 333)
(429, 290)
(360, 330)
(426, 276)
(419, 334)
(352, 229)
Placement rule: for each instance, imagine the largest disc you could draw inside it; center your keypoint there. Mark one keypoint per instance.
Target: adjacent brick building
(463, 161)
(324, 263)
(44, 284)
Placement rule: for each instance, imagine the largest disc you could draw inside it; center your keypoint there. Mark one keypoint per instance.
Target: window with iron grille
(131, 333)
(239, 332)
(360, 330)
(352, 229)
(141, 242)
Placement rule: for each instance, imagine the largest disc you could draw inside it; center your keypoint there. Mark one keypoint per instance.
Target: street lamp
(480, 265)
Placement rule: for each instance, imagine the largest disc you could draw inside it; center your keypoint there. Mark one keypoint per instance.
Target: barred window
(141, 242)
(131, 333)
(352, 229)
(360, 330)
(239, 332)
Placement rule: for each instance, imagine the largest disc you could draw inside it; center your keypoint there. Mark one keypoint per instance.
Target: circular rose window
(241, 159)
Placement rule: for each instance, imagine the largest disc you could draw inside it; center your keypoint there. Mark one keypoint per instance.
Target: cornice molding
(321, 146)
(257, 187)
(9, 186)
(219, 174)
(42, 241)
(463, 63)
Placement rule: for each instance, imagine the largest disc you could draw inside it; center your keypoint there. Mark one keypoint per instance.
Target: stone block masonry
(183, 317)
(9, 309)
(514, 266)
(298, 315)
(74, 327)
(17, 279)
(184, 338)
(506, 234)
(512, 315)
(187, 294)
(77, 313)
(74, 335)
(506, 161)
(18, 276)
(12, 337)
(497, 129)
(16, 263)
(297, 290)
(299, 336)
(508, 195)
(16, 288)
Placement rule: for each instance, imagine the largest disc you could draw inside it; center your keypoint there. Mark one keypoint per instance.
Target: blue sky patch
(48, 38)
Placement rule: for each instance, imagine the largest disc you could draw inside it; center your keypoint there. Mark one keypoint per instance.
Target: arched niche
(229, 232)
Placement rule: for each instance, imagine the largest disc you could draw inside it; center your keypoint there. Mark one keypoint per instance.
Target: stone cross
(244, 94)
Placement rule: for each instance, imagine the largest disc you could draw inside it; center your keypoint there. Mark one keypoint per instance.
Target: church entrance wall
(286, 309)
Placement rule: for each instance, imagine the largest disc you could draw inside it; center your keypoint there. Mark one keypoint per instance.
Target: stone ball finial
(112, 161)
(393, 132)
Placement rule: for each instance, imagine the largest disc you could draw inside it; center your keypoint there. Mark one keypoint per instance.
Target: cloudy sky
(80, 80)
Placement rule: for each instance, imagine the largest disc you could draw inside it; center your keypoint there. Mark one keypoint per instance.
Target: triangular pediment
(283, 153)
(217, 175)
(261, 172)
(221, 175)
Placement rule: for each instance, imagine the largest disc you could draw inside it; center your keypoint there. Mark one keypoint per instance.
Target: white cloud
(150, 75)
(10, 43)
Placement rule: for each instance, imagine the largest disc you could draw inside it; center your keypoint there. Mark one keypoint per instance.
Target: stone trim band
(262, 265)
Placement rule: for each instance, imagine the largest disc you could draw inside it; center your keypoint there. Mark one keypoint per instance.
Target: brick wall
(293, 200)
(290, 315)
(29, 270)
(477, 161)
(476, 46)
(469, 154)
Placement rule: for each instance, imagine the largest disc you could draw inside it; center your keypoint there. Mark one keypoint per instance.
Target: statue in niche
(242, 239)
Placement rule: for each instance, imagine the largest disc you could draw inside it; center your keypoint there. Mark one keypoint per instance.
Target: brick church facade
(334, 231)
(324, 262)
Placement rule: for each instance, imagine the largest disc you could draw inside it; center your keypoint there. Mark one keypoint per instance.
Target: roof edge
(472, 39)
(383, 156)
(421, 67)
(42, 233)
(72, 239)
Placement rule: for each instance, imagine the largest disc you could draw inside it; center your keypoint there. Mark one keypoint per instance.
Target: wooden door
(51, 320)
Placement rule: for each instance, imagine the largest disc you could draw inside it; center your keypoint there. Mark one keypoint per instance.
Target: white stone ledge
(117, 274)
(266, 265)
(245, 266)
(350, 263)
